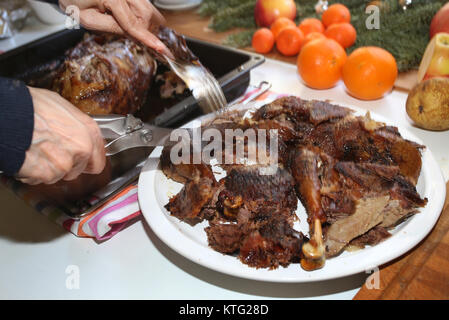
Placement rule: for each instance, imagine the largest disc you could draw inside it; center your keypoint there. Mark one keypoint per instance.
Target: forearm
(16, 124)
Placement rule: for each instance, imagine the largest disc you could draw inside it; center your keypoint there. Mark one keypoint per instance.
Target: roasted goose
(106, 75)
(355, 177)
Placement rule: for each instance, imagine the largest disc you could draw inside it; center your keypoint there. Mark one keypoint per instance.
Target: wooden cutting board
(423, 273)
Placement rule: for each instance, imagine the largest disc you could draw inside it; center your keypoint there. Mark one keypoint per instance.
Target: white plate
(183, 6)
(155, 190)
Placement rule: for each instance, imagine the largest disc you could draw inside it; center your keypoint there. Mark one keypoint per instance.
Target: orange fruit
(320, 63)
(289, 41)
(281, 23)
(369, 72)
(309, 25)
(312, 36)
(336, 13)
(344, 33)
(263, 40)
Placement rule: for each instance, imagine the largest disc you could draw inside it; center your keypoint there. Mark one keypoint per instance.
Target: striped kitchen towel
(101, 224)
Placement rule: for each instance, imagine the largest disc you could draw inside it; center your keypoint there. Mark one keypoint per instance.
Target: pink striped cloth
(102, 224)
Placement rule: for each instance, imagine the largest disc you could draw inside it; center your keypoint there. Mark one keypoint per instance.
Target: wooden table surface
(422, 273)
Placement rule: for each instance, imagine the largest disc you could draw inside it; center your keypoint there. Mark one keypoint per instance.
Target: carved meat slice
(187, 204)
(224, 236)
(275, 243)
(368, 214)
(200, 187)
(183, 172)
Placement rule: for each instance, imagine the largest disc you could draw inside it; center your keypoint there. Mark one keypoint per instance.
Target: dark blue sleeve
(16, 124)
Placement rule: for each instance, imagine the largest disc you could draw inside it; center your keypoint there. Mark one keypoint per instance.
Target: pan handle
(263, 87)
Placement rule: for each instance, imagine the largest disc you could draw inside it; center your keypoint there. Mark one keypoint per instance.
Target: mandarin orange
(369, 73)
(263, 40)
(320, 63)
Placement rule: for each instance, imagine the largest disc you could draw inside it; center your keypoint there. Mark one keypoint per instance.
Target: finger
(156, 14)
(46, 174)
(80, 165)
(130, 23)
(94, 20)
(81, 4)
(97, 160)
(96, 157)
(29, 181)
(150, 40)
(59, 162)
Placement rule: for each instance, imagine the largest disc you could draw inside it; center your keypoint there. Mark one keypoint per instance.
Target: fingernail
(169, 54)
(162, 49)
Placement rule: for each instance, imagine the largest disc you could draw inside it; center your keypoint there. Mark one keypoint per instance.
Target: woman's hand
(66, 142)
(132, 17)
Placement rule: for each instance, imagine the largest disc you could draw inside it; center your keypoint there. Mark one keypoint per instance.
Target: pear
(428, 104)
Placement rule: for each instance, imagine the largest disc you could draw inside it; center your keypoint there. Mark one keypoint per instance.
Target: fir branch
(240, 39)
(240, 16)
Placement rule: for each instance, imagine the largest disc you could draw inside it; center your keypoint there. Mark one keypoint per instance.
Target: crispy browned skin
(334, 130)
(273, 190)
(351, 140)
(371, 238)
(298, 110)
(106, 75)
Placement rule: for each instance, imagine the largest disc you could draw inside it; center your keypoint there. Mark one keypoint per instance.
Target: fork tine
(210, 92)
(218, 91)
(219, 98)
(207, 99)
(219, 94)
(205, 87)
(213, 94)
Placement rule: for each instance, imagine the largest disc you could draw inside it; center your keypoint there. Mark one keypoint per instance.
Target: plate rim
(164, 228)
